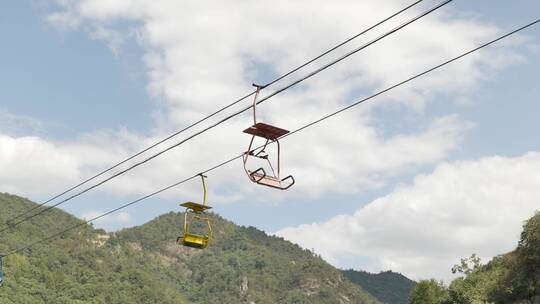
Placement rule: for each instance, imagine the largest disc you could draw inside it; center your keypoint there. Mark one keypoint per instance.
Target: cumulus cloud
(422, 229)
(17, 125)
(64, 21)
(30, 163)
(114, 39)
(34, 166)
(344, 164)
(200, 54)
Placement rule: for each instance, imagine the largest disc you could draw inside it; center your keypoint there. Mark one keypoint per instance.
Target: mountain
(388, 287)
(512, 278)
(144, 265)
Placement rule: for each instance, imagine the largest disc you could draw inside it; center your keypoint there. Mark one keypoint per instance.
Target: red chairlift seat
(271, 134)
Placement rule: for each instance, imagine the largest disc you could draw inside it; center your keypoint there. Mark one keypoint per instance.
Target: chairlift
(270, 134)
(196, 212)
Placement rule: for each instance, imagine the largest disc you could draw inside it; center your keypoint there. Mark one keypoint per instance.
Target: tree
(527, 278)
(530, 242)
(467, 265)
(429, 292)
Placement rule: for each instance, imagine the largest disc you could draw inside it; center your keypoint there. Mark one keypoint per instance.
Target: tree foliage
(429, 292)
(386, 286)
(467, 265)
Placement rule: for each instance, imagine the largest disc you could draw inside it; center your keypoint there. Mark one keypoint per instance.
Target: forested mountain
(510, 278)
(387, 286)
(144, 265)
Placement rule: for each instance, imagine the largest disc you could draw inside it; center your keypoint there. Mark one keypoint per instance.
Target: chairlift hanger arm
(204, 188)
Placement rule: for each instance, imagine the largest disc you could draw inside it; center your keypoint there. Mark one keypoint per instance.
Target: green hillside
(388, 287)
(510, 278)
(144, 265)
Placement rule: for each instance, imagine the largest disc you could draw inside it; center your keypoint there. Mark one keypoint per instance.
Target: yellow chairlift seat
(196, 212)
(195, 241)
(192, 239)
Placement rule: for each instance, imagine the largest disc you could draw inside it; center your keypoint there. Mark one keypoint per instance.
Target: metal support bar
(259, 87)
(204, 188)
(278, 159)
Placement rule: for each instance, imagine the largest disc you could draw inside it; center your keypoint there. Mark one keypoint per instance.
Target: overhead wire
(12, 223)
(289, 134)
(218, 111)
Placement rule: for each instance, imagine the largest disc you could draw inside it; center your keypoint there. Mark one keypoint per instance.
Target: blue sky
(66, 78)
(74, 85)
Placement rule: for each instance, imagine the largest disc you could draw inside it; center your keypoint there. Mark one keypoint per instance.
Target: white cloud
(64, 21)
(30, 164)
(17, 125)
(200, 54)
(342, 163)
(114, 39)
(424, 228)
(33, 166)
